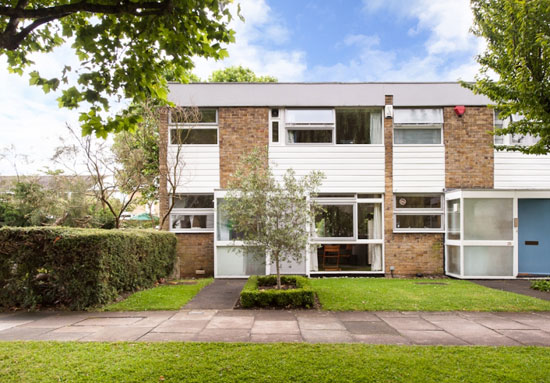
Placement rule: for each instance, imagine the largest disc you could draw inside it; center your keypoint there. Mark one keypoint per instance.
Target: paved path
(518, 286)
(421, 328)
(222, 294)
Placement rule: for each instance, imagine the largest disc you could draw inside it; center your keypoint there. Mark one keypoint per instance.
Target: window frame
(419, 125)
(419, 212)
(288, 126)
(193, 126)
(191, 211)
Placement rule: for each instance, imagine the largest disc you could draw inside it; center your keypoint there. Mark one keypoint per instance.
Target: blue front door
(534, 236)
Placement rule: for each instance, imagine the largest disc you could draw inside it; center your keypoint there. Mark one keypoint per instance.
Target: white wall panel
(418, 168)
(521, 171)
(201, 168)
(347, 168)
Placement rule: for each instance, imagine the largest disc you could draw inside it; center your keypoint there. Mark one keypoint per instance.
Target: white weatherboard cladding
(521, 171)
(347, 168)
(418, 168)
(200, 166)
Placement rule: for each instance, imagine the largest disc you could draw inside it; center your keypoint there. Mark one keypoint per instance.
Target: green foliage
(380, 294)
(167, 297)
(541, 285)
(190, 362)
(272, 217)
(518, 51)
(124, 50)
(302, 296)
(79, 268)
(238, 74)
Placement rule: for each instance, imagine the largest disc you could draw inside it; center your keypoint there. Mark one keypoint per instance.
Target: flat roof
(413, 94)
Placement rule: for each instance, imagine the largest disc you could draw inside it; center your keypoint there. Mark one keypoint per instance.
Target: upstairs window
(194, 126)
(513, 139)
(358, 126)
(309, 126)
(418, 127)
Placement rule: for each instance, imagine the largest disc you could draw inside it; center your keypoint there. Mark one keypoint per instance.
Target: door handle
(531, 243)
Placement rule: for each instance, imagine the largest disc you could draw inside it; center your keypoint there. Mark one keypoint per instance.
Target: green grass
(165, 297)
(365, 294)
(214, 362)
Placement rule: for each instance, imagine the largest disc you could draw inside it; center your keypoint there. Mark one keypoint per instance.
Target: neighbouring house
(413, 183)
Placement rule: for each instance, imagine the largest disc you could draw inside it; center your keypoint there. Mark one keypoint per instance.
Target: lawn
(365, 294)
(166, 297)
(214, 362)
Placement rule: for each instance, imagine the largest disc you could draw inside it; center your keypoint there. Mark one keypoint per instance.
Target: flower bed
(260, 291)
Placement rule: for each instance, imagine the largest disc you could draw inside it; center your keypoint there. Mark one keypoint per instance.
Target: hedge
(541, 285)
(79, 268)
(302, 296)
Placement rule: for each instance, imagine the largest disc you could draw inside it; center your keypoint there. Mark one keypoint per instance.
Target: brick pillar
(408, 253)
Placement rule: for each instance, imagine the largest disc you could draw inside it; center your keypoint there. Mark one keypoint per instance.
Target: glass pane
(347, 257)
(418, 116)
(275, 131)
(194, 136)
(493, 261)
(224, 226)
(232, 261)
(418, 221)
(353, 126)
(369, 195)
(417, 136)
(334, 221)
(453, 219)
(309, 136)
(336, 195)
(488, 219)
(192, 221)
(204, 116)
(194, 201)
(309, 116)
(369, 221)
(453, 259)
(417, 202)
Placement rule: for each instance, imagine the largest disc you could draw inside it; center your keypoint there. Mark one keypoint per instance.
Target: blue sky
(293, 40)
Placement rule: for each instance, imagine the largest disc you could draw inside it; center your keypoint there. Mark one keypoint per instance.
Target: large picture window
(358, 126)
(418, 127)
(196, 127)
(192, 213)
(418, 212)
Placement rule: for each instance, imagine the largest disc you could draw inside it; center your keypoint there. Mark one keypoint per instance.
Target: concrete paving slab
(118, 334)
(62, 336)
(167, 337)
(237, 313)
(194, 315)
(398, 314)
(414, 323)
(4, 325)
(154, 319)
(274, 315)
(434, 338)
(181, 326)
(114, 321)
(440, 316)
(223, 335)
(276, 338)
(17, 333)
(56, 321)
(275, 327)
(364, 328)
(529, 337)
(86, 329)
(362, 316)
(327, 336)
(498, 323)
(380, 339)
(474, 333)
(541, 324)
(324, 323)
(234, 322)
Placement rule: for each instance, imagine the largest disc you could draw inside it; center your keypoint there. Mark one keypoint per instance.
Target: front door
(534, 236)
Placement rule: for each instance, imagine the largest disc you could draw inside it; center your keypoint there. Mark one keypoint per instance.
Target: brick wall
(469, 155)
(240, 130)
(408, 253)
(195, 252)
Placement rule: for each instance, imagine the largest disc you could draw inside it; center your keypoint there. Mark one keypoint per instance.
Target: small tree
(271, 217)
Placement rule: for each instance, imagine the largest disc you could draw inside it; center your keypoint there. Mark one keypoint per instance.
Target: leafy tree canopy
(125, 48)
(238, 74)
(518, 51)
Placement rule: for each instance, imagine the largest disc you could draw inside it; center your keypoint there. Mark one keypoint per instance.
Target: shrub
(302, 296)
(79, 268)
(541, 285)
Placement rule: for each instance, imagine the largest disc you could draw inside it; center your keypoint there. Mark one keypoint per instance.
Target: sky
(293, 40)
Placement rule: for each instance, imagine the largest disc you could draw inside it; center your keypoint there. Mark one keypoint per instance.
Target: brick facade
(408, 253)
(240, 131)
(469, 154)
(195, 252)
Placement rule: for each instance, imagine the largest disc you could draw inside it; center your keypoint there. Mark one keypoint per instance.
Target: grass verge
(166, 297)
(366, 294)
(214, 362)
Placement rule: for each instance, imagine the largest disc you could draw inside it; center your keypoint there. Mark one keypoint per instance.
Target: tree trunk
(278, 271)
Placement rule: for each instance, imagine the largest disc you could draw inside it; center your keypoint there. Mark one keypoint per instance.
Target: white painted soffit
(323, 94)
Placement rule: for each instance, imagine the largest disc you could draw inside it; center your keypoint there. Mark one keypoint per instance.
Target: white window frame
(194, 125)
(188, 211)
(414, 211)
(280, 119)
(308, 126)
(416, 127)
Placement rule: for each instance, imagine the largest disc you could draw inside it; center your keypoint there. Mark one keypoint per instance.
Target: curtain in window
(375, 128)
(376, 262)
(313, 261)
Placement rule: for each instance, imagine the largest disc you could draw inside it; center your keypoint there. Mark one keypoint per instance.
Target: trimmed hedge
(79, 268)
(302, 296)
(541, 285)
